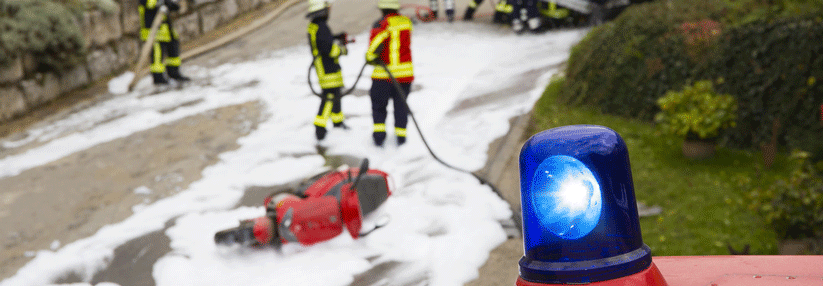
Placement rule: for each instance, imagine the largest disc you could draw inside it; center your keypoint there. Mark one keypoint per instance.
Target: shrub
(46, 29)
(794, 207)
(697, 111)
(622, 67)
(770, 66)
(773, 68)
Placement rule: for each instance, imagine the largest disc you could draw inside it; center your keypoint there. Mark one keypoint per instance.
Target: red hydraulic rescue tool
(317, 212)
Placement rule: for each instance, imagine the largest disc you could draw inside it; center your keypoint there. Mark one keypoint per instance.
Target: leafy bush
(46, 29)
(107, 6)
(770, 66)
(696, 110)
(773, 68)
(794, 207)
(622, 67)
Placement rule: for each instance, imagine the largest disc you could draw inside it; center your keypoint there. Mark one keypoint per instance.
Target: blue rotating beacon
(580, 222)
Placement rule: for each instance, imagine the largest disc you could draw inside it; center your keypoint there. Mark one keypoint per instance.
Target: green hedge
(771, 66)
(47, 29)
(625, 65)
(775, 69)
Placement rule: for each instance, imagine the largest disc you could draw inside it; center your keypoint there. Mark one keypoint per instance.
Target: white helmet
(388, 4)
(317, 8)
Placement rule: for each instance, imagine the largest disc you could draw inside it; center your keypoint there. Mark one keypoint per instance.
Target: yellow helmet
(388, 4)
(317, 8)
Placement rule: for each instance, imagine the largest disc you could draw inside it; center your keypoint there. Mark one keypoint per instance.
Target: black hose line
(347, 92)
(518, 221)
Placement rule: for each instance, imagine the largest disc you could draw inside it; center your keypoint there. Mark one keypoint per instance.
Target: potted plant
(698, 114)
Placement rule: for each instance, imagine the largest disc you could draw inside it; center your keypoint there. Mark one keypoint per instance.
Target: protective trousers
(381, 91)
(470, 10)
(329, 108)
(435, 7)
(171, 52)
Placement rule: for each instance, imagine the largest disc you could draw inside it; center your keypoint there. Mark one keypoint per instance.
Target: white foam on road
(443, 222)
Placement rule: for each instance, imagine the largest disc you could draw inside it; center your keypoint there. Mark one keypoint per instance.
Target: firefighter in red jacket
(326, 49)
(390, 44)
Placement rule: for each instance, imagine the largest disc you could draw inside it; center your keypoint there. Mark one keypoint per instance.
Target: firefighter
(469, 15)
(326, 49)
(435, 7)
(390, 45)
(502, 12)
(166, 41)
(524, 15)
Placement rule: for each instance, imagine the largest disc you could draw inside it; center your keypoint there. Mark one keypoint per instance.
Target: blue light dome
(580, 221)
(566, 197)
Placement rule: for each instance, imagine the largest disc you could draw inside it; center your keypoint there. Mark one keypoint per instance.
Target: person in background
(390, 46)
(326, 49)
(435, 7)
(473, 4)
(502, 11)
(166, 41)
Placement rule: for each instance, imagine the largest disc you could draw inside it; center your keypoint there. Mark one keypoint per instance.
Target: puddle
(184, 104)
(133, 261)
(392, 273)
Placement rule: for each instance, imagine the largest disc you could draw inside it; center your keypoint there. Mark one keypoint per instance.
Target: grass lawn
(701, 199)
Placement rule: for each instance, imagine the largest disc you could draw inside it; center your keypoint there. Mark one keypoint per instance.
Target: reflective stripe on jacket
(148, 10)
(326, 54)
(390, 41)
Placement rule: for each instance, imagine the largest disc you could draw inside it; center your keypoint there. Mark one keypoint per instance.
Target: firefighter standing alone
(166, 42)
(326, 49)
(390, 44)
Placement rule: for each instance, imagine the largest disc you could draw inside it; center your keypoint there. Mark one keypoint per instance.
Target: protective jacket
(148, 10)
(390, 43)
(326, 53)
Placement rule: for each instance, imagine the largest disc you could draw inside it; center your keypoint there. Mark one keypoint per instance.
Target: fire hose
(515, 216)
(518, 221)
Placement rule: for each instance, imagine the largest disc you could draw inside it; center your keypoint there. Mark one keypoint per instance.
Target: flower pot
(800, 246)
(694, 149)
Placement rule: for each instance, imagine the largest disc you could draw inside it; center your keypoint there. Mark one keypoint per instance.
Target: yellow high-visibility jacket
(148, 10)
(326, 54)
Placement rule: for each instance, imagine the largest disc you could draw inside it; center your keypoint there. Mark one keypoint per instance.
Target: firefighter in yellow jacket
(326, 49)
(166, 41)
(390, 44)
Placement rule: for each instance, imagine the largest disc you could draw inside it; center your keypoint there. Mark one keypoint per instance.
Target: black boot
(469, 14)
(401, 140)
(159, 78)
(450, 15)
(320, 132)
(174, 72)
(379, 137)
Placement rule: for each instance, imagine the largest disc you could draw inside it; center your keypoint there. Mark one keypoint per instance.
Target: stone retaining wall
(113, 41)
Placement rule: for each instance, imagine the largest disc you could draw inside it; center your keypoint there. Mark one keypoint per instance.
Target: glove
(343, 50)
(343, 37)
(373, 59)
(342, 45)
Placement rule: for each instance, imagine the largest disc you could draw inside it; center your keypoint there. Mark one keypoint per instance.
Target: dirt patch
(73, 197)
